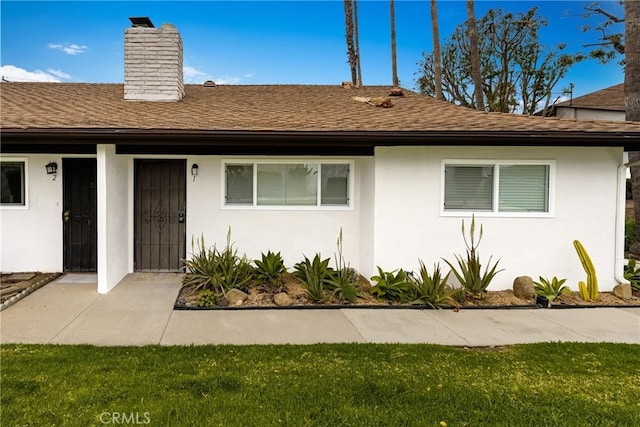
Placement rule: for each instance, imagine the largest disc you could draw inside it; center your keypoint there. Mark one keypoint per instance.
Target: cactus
(589, 290)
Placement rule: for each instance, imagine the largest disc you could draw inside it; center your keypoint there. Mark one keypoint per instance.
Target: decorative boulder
(623, 290)
(235, 297)
(523, 287)
(282, 299)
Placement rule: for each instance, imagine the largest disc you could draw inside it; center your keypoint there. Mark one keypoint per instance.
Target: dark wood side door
(159, 215)
(79, 215)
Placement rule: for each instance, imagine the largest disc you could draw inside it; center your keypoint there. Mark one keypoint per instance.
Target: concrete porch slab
(135, 312)
(40, 317)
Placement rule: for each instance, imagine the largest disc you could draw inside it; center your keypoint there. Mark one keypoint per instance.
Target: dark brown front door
(80, 235)
(159, 225)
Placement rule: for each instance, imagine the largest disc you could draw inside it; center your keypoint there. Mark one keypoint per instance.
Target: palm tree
(351, 51)
(475, 56)
(394, 64)
(437, 63)
(355, 22)
(632, 92)
(632, 60)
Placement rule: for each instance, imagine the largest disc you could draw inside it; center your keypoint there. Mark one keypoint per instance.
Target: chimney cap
(142, 21)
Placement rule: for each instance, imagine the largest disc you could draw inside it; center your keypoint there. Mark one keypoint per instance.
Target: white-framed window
(498, 187)
(13, 183)
(288, 184)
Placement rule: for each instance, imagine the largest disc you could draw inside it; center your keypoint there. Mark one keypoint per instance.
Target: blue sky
(262, 42)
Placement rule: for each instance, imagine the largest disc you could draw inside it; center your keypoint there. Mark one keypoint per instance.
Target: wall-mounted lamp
(52, 169)
(194, 171)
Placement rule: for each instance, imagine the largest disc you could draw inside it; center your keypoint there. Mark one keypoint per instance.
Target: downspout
(619, 261)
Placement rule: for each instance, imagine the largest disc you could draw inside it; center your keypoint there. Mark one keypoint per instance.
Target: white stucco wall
(114, 228)
(293, 233)
(395, 219)
(31, 237)
(409, 224)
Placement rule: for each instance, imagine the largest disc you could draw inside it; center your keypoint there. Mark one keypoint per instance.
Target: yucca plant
(551, 289)
(313, 274)
(270, 268)
(394, 285)
(430, 289)
(469, 272)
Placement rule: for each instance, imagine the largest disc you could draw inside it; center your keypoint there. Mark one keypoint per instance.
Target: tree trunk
(351, 52)
(475, 56)
(632, 92)
(437, 57)
(355, 21)
(394, 65)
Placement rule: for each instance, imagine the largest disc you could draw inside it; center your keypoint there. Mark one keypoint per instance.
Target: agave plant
(430, 289)
(632, 275)
(551, 289)
(394, 285)
(469, 272)
(270, 268)
(342, 281)
(215, 269)
(313, 274)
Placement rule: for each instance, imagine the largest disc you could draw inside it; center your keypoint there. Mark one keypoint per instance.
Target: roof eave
(630, 140)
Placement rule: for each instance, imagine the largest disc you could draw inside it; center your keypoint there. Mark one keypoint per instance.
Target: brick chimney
(152, 62)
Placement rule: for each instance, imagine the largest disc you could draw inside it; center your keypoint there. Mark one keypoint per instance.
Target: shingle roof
(611, 98)
(83, 106)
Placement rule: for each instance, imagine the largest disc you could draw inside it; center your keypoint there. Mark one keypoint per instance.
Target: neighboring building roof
(80, 110)
(611, 99)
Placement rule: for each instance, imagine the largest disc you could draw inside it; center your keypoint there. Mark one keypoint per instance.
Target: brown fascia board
(629, 140)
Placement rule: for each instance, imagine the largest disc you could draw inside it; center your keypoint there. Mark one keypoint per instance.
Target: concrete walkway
(139, 311)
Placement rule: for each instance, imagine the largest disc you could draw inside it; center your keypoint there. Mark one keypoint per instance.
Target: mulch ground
(262, 297)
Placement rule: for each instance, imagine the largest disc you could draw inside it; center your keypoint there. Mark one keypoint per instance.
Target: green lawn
(332, 385)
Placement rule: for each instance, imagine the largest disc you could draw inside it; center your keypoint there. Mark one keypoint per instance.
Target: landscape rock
(282, 299)
(623, 290)
(235, 297)
(523, 287)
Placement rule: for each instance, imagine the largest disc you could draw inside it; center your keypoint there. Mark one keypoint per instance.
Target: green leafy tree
(608, 23)
(517, 71)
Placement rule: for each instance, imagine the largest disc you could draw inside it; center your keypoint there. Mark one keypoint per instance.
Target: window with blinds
(501, 186)
(287, 184)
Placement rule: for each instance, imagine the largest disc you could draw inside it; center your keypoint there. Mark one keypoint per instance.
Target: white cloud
(15, 74)
(195, 76)
(70, 49)
(58, 73)
(227, 80)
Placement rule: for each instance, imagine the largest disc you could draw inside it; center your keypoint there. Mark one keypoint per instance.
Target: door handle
(181, 216)
(66, 216)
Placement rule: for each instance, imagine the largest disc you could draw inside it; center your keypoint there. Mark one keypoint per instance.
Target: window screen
(468, 187)
(524, 188)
